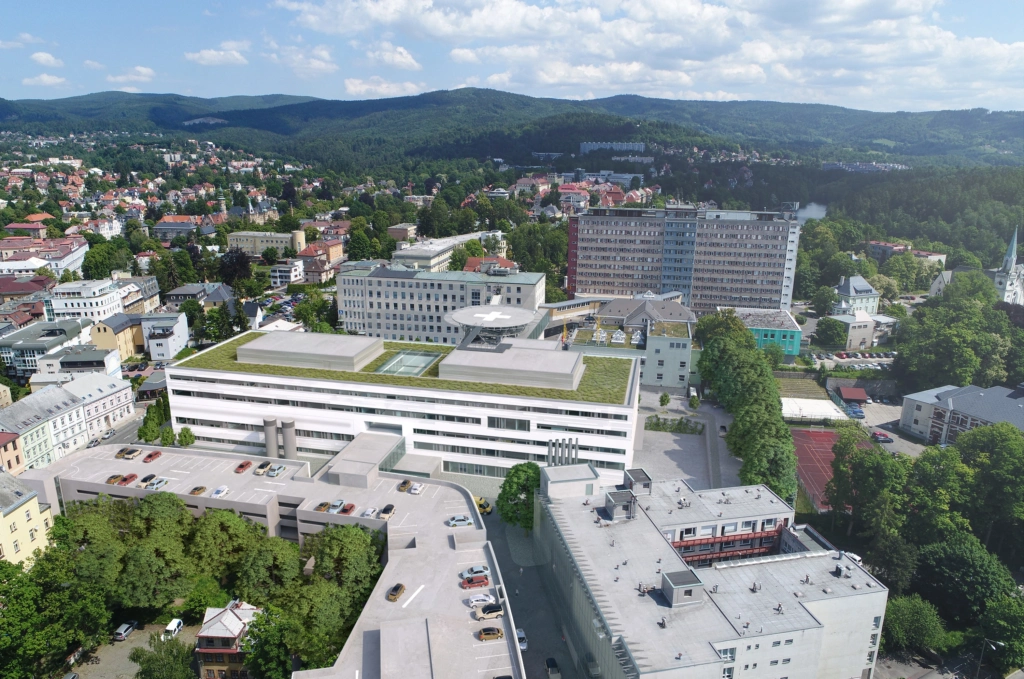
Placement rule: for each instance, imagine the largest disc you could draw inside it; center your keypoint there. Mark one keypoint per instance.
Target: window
(789, 642)
(31, 535)
(917, 408)
(705, 548)
(508, 423)
(773, 663)
(708, 531)
(776, 643)
(871, 656)
(728, 654)
(874, 639)
(17, 547)
(660, 376)
(14, 527)
(727, 672)
(28, 514)
(785, 661)
(877, 621)
(210, 674)
(689, 532)
(748, 525)
(661, 363)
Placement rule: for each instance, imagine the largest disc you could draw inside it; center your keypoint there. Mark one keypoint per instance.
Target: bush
(167, 436)
(664, 400)
(679, 425)
(911, 623)
(694, 403)
(185, 437)
(801, 319)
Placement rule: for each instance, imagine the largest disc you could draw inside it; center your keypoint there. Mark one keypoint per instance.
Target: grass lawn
(800, 389)
(605, 380)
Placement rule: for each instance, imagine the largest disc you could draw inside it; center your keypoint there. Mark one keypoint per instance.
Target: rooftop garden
(670, 329)
(605, 379)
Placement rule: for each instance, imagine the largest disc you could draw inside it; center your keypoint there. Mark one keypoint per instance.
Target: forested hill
(475, 122)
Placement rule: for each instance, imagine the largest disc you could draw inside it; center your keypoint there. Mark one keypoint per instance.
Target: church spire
(1010, 259)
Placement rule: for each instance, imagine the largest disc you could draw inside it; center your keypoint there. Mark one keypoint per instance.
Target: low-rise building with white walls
(51, 423)
(287, 272)
(435, 254)
(164, 334)
(22, 349)
(467, 413)
(95, 300)
(106, 401)
(628, 606)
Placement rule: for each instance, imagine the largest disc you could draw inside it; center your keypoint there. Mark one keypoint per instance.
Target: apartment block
(25, 520)
(22, 349)
(631, 602)
(12, 457)
(714, 257)
(94, 300)
(940, 415)
(398, 303)
(253, 243)
(50, 422)
(436, 254)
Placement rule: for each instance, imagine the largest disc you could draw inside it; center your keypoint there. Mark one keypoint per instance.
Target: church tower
(1010, 258)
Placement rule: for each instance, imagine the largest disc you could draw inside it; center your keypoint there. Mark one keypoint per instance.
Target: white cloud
(129, 89)
(138, 74)
(94, 65)
(305, 62)
(44, 80)
(378, 87)
(46, 59)
(879, 54)
(211, 57)
(236, 45)
(394, 55)
(29, 39)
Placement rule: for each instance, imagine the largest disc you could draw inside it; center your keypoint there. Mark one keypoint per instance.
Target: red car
(242, 467)
(128, 480)
(152, 456)
(348, 509)
(475, 581)
(840, 355)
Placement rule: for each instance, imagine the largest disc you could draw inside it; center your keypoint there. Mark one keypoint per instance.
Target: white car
(220, 492)
(172, 629)
(370, 513)
(475, 570)
(276, 470)
(416, 489)
(481, 600)
(460, 520)
(868, 400)
(521, 636)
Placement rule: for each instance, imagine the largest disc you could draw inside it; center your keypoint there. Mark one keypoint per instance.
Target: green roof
(670, 329)
(605, 379)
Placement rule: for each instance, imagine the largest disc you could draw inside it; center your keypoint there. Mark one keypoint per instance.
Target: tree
(773, 353)
(515, 500)
(830, 333)
(1004, 622)
(312, 310)
(893, 561)
(206, 593)
(724, 323)
(960, 576)
(70, 276)
(458, 259)
(995, 454)
(289, 252)
(266, 569)
(664, 399)
(193, 311)
(359, 247)
(267, 654)
(185, 437)
(839, 489)
(886, 287)
(911, 623)
(474, 248)
(149, 432)
(234, 266)
(694, 402)
(270, 256)
(165, 659)
(823, 300)
(167, 436)
(219, 539)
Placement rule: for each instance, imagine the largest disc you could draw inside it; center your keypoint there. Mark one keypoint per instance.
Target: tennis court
(814, 462)
(409, 363)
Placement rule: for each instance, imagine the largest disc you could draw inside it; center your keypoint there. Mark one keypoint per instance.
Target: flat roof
(708, 506)
(285, 343)
(605, 379)
(492, 317)
(777, 319)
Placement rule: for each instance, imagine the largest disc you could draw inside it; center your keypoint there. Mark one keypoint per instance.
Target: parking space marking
(420, 589)
(500, 655)
(275, 483)
(493, 669)
(436, 491)
(179, 471)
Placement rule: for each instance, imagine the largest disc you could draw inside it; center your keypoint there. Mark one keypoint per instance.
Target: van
(172, 629)
(125, 630)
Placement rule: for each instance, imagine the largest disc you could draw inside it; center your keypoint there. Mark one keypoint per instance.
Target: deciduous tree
(515, 501)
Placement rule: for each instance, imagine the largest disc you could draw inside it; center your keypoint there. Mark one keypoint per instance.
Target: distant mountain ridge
(472, 120)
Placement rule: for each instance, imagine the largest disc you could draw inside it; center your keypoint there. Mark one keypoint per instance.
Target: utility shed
(854, 394)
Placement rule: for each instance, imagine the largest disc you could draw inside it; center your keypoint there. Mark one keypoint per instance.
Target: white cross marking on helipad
(493, 316)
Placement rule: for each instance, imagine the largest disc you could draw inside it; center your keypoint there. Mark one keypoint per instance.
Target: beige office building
(253, 243)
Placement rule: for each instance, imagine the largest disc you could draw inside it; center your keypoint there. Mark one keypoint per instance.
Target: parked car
(262, 469)
(143, 365)
(336, 507)
(243, 467)
(387, 512)
(132, 453)
(857, 415)
(868, 400)
(552, 667)
(474, 570)
(93, 443)
(113, 479)
(490, 612)
(460, 520)
(416, 489)
(119, 455)
(476, 582)
(396, 592)
(480, 600)
(108, 434)
(157, 484)
(145, 480)
(276, 470)
(483, 506)
(172, 629)
(490, 634)
(128, 480)
(404, 486)
(830, 356)
(125, 630)
(221, 491)
(152, 456)
(198, 490)
(348, 509)
(322, 507)
(369, 513)
(722, 430)
(521, 636)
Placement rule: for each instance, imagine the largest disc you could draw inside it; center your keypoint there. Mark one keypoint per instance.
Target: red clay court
(814, 462)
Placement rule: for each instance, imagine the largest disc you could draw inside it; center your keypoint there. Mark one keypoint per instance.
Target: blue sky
(880, 55)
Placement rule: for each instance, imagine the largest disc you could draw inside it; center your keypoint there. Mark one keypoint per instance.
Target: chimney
(842, 279)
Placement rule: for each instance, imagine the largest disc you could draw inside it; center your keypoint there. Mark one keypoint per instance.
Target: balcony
(692, 542)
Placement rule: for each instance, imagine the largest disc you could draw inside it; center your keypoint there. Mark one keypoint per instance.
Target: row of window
(520, 442)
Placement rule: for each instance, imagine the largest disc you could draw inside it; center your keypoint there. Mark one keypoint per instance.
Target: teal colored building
(772, 326)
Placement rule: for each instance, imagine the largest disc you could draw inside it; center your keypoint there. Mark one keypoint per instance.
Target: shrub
(664, 400)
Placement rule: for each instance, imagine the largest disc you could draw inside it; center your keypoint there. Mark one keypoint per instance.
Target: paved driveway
(113, 657)
(881, 417)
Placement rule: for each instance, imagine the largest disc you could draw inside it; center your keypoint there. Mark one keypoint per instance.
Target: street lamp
(986, 642)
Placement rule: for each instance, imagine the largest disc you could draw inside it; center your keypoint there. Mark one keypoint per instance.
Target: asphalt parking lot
(113, 657)
(886, 418)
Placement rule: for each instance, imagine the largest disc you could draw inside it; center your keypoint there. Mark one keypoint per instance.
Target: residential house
(14, 286)
(402, 231)
(219, 641)
(489, 264)
(24, 255)
(90, 299)
(35, 230)
(163, 335)
(25, 521)
(5, 396)
(106, 401)
(210, 295)
(63, 365)
(12, 457)
(855, 294)
(119, 333)
(51, 423)
(940, 415)
(286, 272)
(139, 294)
(171, 226)
(860, 329)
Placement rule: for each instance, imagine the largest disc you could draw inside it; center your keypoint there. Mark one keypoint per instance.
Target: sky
(881, 55)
